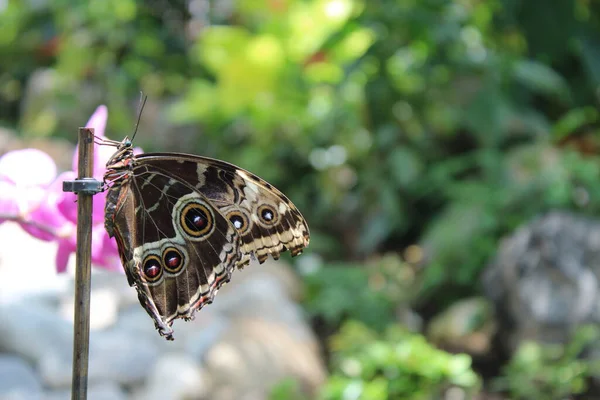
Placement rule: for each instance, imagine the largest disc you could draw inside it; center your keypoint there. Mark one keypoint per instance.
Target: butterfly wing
(176, 247)
(266, 220)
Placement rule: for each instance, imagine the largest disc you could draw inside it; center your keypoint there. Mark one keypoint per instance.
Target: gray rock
(544, 279)
(114, 357)
(253, 355)
(55, 369)
(174, 377)
(98, 391)
(116, 283)
(134, 320)
(120, 357)
(32, 329)
(262, 297)
(282, 272)
(18, 379)
(104, 306)
(198, 343)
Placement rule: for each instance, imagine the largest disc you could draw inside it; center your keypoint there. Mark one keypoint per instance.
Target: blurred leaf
(353, 46)
(349, 296)
(537, 371)
(405, 166)
(541, 78)
(574, 120)
(219, 45)
(287, 389)
(590, 54)
(395, 365)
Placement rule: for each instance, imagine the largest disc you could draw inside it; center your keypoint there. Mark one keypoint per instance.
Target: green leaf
(542, 79)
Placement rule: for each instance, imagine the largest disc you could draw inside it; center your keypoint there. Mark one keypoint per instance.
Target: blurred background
(445, 154)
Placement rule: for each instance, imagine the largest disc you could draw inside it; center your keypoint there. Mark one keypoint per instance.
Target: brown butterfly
(183, 223)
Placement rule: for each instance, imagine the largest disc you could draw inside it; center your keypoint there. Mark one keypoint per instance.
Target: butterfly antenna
(143, 99)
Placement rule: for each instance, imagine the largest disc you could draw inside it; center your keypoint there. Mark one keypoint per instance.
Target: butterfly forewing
(266, 220)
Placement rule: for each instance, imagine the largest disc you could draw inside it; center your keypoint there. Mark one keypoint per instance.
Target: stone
(279, 270)
(32, 330)
(135, 321)
(98, 391)
(254, 354)
(106, 391)
(18, 380)
(199, 342)
(543, 281)
(119, 357)
(174, 377)
(103, 308)
(116, 283)
(262, 297)
(115, 356)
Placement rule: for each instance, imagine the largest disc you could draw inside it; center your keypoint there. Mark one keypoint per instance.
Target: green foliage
(396, 365)
(287, 389)
(466, 232)
(368, 293)
(546, 371)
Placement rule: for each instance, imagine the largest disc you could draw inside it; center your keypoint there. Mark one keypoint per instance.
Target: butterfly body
(183, 223)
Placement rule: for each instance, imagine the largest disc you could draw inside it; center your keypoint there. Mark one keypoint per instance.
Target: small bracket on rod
(89, 186)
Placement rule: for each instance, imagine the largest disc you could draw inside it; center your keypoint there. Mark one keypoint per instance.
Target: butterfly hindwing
(177, 249)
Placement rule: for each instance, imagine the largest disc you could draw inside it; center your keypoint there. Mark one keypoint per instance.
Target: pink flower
(34, 198)
(26, 177)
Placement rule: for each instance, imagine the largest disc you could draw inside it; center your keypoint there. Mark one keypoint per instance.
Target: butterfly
(184, 223)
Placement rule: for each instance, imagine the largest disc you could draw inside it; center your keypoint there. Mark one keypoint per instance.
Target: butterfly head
(119, 165)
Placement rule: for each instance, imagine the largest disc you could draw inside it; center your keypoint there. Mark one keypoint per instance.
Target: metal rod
(81, 326)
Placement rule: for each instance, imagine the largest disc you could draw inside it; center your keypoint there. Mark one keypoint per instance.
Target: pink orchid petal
(112, 260)
(104, 251)
(99, 202)
(102, 155)
(67, 206)
(97, 242)
(27, 198)
(48, 224)
(66, 246)
(110, 245)
(16, 166)
(67, 203)
(98, 120)
(101, 152)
